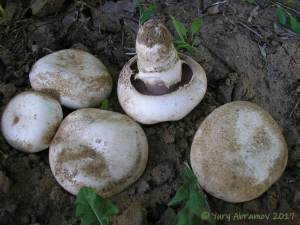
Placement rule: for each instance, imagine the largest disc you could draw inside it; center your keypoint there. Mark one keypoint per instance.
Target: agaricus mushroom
(95, 148)
(159, 84)
(30, 120)
(238, 152)
(78, 78)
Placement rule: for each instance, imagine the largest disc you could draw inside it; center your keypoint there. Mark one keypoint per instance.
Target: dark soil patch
(240, 65)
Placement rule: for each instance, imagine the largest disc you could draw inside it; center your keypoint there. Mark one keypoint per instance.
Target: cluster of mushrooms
(237, 153)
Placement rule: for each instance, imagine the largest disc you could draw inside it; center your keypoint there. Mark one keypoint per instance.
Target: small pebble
(162, 173)
(143, 187)
(168, 136)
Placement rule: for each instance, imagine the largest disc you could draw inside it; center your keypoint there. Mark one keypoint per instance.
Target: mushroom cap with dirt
(159, 84)
(30, 121)
(238, 152)
(96, 148)
(78, 78)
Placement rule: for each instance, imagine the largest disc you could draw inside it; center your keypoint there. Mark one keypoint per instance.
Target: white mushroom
(159, 84)
(77, 77)
(30, 120)
(104, 150)
(238, 152)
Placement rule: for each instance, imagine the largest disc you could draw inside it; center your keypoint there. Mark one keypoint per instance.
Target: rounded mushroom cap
(100, 149)
(149, 109)
(30, 120)
(77, 77)
(154, 47)
(238, 152)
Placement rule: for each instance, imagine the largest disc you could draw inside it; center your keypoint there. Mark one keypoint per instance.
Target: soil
(247, 55)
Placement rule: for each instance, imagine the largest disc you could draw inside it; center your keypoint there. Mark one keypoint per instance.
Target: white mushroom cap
(150, 109)
(100, 149)
(30, 120)
(238, 152)
(77, 77)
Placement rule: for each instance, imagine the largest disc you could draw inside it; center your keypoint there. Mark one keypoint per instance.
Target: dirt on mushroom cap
(30, 120)
(78, 78)
(86, 151)
(238, 152)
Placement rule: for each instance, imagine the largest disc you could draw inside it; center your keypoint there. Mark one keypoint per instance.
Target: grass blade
(147, 13)
(281, 15)
(195, 26)
(180, 29)
(104, 104)
(295, 25)
(2, 13)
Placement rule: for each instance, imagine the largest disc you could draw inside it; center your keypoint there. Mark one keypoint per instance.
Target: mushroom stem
(157, 59)
(168, 78)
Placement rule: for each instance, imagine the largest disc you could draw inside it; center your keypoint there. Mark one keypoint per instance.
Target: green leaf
(179, 42)
(147, 13)
(180, 29)
(195, 26)
(295, 25)
(298, 164)
(289, 2)
(196, 203)
(182, 217)
(251, 1)
(183, 45)
(104, 104)
(195, 206)
(2, 12)
(187, 47)
(281, 15)
(188, 175)
(92, 209)
(182, 194)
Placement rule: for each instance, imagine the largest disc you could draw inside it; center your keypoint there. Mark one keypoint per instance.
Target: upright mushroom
(78, 78)
(158, 84)
(238, 152)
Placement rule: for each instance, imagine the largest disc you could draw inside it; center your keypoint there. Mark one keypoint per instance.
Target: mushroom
(95, 148)
(30, 120)
(159, 84)
(78, 78)
(238, 152)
